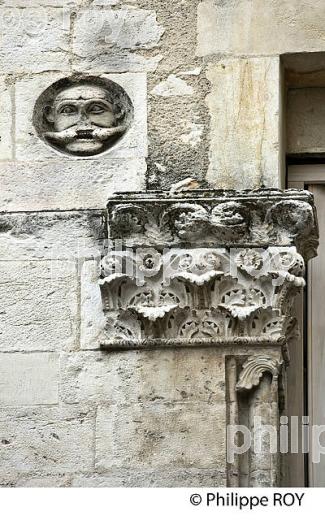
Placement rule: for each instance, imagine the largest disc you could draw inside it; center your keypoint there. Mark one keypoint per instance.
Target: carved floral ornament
(205, 267)
(83, 115)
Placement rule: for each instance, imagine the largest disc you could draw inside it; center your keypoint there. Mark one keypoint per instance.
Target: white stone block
(245, 138)
(45, 481)
(29, 379)
(65, 235)
(38, 305)
(42, 3)
(34, 39)
(92, 316)
(252, 27)
(46, 440)
(180, 376)
(111, 40)
(67, 185)
(158, 435)
(6, 121)
(135, 141)
(167, 478)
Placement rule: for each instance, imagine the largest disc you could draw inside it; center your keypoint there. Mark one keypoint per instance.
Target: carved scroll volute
(254, 368)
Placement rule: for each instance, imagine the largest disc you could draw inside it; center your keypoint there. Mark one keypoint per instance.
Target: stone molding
(205, 266)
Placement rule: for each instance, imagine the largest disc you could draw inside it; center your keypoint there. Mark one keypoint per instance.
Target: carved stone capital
(205, 266)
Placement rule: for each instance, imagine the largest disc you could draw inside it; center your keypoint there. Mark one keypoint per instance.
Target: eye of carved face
(97, 108)
(68, 110)
(83, 119)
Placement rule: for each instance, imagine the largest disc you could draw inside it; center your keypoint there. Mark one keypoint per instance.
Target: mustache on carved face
(71, 134)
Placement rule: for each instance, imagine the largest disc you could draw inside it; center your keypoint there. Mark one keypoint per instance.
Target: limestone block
(244, 105)
(157, 435)
(135, 141)
(30, 147)
(66, 235)
(67, 185)
(253, 27)
(29, 379)
(34, 39)
(51, 440)
(92, 315)
(183, 376)
(44, 481)
(6, 121)
(110, 41)
(68, 4)
(306, 120)
(27, 91)
(185, 477)
(38, 305)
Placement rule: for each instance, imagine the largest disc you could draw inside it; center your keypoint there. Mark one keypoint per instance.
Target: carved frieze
(205, 266)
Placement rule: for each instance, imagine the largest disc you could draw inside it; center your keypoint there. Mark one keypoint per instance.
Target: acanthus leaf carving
(185, 270)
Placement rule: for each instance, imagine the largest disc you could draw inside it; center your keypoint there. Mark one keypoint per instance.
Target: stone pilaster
(206, 269)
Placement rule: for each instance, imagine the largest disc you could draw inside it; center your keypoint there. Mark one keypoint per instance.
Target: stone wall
(205, 81)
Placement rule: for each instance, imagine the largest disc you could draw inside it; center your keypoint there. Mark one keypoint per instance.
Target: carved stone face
(84, 121)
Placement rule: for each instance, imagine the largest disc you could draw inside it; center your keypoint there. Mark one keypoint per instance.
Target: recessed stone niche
(83, 116)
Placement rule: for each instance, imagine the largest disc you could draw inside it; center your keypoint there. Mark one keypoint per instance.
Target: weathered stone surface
(49, 440)
(135, 141)
(31, 148)
(253, 27)
(66, 235)
(245, 140)
(43, 3)
(34, 40)
(162, 414)
(306, 120)
(160, 435)
(27, 91)
(66, 185)
(185, 477)
(6, 122)
(182, 376)
(29, 379)
(172, 118)
(92, 316)
(38, 305)
(112, 41)
(172, 86)
(44, 481)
